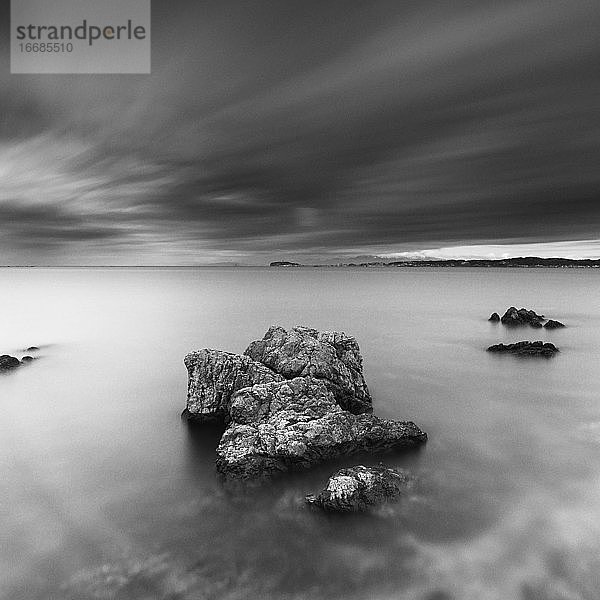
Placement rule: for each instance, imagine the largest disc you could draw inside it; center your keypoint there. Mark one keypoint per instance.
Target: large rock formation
(330, 356)
(357, 488)
(297, 423)
(525, 348)
(522, 316)
(214, 376)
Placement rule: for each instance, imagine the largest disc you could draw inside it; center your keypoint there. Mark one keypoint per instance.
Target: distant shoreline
(504, 263)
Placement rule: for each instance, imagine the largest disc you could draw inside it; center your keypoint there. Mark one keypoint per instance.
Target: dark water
(106, 494)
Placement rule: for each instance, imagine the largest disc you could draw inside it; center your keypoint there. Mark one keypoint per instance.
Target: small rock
(32, 349)
(551, 324)
(8, 362)
(495, 317)
(526, 348)
(357, 488)
(522, 316)
(27, 359)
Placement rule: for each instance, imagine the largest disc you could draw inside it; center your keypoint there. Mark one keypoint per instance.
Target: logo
(80, 36)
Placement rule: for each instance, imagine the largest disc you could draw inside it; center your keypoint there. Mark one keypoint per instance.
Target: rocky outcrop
(297, 423)
(522, 316)
(330, 356)
(214, 376)
(357, 488)
(7, 363)
(494, 318)
(526, 348)
(551, 324)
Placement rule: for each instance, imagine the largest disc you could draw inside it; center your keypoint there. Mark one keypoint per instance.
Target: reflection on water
(108, 494)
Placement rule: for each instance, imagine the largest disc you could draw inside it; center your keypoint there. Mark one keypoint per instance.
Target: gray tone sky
(312, 130)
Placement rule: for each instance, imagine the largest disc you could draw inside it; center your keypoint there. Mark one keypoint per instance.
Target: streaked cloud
(322, 129)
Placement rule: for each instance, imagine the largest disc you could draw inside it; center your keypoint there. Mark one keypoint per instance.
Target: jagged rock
(214, 376)
(495, 317)
(526, 348)
(297, 423)
(8, 362)
(357, 488)
(551, 324)
(330, 356)
(522, 316)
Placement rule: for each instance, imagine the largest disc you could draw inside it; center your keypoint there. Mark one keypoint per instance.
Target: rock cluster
(295, 398)
(526, 348)
(357, 488)
(514, 317)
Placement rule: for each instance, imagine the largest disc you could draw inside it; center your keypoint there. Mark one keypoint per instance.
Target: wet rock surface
(297, 423)
(357, 488)
(525, 348)
(214, 376)
(330, 356)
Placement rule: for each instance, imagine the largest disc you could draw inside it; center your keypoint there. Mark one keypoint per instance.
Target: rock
(495, 317)
(27, 359)
(357, 488)
(214, 376)
(522, 316)
(284, 263)
(32, 349)
(551, 324)
(526, 348)
(330, 356)
(8, 362)
(297, 423)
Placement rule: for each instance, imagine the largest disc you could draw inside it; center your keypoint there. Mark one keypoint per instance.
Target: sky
(313, 131)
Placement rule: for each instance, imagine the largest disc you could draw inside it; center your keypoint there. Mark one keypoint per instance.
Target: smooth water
(106, 493)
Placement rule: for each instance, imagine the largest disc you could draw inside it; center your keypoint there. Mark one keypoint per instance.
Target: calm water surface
(106, 494)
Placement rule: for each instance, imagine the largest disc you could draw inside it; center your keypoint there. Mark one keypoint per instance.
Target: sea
(105, 493)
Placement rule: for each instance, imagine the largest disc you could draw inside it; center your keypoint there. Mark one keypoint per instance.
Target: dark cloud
(276, 127)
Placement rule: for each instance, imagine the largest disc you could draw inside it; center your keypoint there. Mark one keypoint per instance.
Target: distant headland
(519, 263)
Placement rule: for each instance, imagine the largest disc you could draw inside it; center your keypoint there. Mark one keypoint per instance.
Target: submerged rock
(526, 348)
(32, 349)
(330, 356)
(297, 423)
(357, 488)
(551, 324)
(8, 363)
(495, 317)
(214, 376)
(522, 316)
